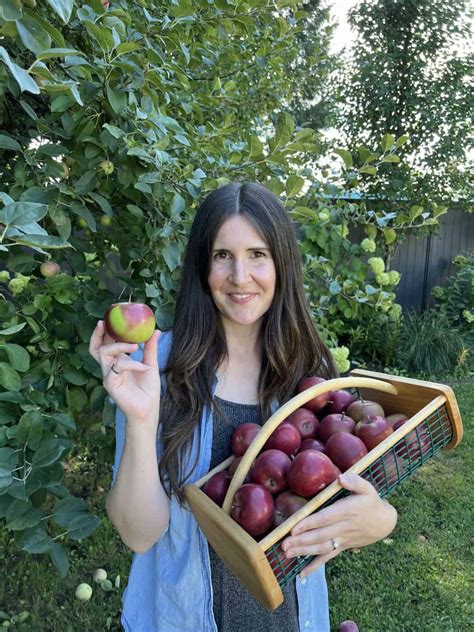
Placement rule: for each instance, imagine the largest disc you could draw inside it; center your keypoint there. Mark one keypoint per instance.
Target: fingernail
(289, 554)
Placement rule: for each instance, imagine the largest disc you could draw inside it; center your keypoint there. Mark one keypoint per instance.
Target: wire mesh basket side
(386, 473)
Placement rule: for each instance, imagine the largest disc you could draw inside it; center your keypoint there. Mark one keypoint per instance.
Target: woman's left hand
(357, 520)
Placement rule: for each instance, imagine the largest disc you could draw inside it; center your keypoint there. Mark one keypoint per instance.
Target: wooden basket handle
(282, 413)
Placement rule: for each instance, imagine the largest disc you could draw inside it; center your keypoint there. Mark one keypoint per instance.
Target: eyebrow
(248, 249)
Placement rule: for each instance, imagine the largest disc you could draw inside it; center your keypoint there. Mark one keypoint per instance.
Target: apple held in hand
(337, 422)
(318, 402)
(360, 408)
(286, 504)
(216, 487)
(130, 322)
(242, 437)
(270, 470)
(285, 438)
(373, 429)
(305, 421)
(253, 508)
(310, 472)
(345, 449)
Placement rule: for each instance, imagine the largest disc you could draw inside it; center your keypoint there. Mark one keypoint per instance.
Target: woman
(242, 340)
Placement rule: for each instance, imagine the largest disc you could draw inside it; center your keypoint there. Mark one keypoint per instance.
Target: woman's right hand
(134, 386)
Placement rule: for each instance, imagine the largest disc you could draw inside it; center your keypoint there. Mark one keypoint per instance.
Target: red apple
(286, 504)
(339, 402)
(348, 626)
(242, 437)
(235, 464)
(310, 472)
(270, 470)
(216, 487)
(361, 407)
(312, 444)
(253, 508)
(318, 402)
(305, 421)
(285, 438)
(337, 422)
(387, 470)
(345, 449)
(415, 444)
(373, 429)
(395, 418)
(129, 322)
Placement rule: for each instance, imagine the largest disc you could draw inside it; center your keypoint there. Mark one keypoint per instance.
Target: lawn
(418, 580)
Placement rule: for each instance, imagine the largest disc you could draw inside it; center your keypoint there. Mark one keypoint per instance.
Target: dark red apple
(305, 422)
(348, 626)
(361, 407)
(242, 437)
(310, 472)
(312, 444)
(129, 322)
(337, 422)
(415, 444)
(387, 470)
(235, 464)
(270, 470)
(216, 487)
(253, 508)
(318, 402)
(285, 438)
(395, 418)
(373, 429)
(345, 449)
(286, 504)
(339, 402)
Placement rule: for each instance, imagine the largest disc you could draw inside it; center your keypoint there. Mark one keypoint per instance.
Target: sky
(342, 35)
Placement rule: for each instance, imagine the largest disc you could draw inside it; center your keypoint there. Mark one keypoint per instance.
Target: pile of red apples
(303, 455)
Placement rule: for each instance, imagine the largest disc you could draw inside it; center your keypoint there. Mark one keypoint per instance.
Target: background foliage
(113, 125)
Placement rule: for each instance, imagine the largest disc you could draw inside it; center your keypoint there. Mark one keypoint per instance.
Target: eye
(258, 254)
(221, 256)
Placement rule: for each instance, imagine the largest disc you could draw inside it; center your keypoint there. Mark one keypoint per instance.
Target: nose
(239, 272)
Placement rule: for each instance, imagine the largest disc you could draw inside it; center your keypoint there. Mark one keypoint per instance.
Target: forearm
(137, 504)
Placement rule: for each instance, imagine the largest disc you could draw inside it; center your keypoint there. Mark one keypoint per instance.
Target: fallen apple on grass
(129, 322)
(348, 626)
(83, 592)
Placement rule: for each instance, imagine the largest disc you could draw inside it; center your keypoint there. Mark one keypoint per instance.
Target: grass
(418, 580)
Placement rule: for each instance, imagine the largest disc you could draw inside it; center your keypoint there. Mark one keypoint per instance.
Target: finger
(313, 542)
(322, 518)
(356, 484)
(110, 352)
(128, 365)
(98, 339)
(318, 562)
(150, 352)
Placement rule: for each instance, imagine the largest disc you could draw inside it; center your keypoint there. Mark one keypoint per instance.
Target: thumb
(355, 483)
(150, 352)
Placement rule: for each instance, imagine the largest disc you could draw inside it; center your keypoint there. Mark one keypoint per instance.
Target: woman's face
(242, 275)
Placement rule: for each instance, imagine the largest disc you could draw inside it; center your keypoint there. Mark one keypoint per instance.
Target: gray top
(235, 609)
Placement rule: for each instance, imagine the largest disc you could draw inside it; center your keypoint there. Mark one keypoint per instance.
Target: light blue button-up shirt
(169, 587)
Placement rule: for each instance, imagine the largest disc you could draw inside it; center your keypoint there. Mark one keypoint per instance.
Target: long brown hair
(291, 346)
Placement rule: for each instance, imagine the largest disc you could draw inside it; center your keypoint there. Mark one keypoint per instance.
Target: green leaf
(9, 378)
(12, 330)
(415, 211)
(172, 255)
(23, 213)
(34, 540)
(178, 205)
(55, 34)
(128, 47)
(82, 526)
(64, 420)
(10, 10)
(391, 158)
(103, 36)
(59, 557)
(67, 509)
(387, 141)
(33, 36)
(58, 52)
(5, 477)
(256, 148)
(7, 142)
(372, 171)
(117, 99)
(335, 287)
(402, 140)
(49, 452)
(22, 517)
(346, 156)
(294, 184)
(63, 8)
(284, 131)
(20, 75)
(45, 241)
(18, 356)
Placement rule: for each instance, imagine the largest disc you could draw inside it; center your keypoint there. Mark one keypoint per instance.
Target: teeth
(241, 295)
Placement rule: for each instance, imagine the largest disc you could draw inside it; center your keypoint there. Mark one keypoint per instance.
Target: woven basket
(434, 424)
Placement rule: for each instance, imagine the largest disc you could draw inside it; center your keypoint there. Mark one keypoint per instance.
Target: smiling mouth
(241, 298)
